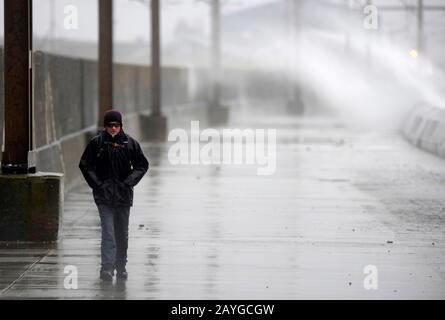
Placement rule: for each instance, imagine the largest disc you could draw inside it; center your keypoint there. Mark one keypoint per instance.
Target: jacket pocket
(124, 193)
(104, 192)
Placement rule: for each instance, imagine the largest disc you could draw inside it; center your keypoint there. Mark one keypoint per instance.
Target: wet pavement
(341, 199)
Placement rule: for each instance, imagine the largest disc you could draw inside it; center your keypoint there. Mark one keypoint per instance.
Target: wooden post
(155, 124)
(156, 58)
(105, 57)
(18, 85)
(216, 53)
(420, 44)
(217, 113)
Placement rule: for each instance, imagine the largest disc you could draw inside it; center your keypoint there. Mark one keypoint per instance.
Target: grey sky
(131, 17)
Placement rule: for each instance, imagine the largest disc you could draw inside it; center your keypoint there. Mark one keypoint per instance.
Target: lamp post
(155, 125)
(18, 86)
(105, 57)
(294, 102)
(217, 113)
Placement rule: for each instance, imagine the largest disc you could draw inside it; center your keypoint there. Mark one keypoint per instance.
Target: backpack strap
(100, 145)
(125, 144)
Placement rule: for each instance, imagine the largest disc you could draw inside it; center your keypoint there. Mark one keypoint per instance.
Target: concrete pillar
(216, 53)
(155, 125)
(348, 40)
(156, 75)
(369, 35)
(294, 102)
(17, 86)
(30, 203)
(31, 206)
(105, 58)
(420, 42)
(218, 114)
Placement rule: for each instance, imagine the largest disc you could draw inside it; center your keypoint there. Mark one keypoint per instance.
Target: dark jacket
(112, 166)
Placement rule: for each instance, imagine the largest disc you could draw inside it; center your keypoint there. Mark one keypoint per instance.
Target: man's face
(113, 128)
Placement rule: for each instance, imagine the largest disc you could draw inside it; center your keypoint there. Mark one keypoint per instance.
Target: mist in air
(317, 54)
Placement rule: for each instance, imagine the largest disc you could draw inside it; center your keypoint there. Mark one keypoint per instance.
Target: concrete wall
(90, 93)
(425, 128)
(64, 105)
(58, 94)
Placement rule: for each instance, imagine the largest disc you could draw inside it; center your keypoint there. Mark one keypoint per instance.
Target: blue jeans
(114, 221)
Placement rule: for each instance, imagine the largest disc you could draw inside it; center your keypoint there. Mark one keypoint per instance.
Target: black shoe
(122, 274)
(107, 273)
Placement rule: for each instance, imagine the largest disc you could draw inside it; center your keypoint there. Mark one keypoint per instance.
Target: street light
(155, 124)
(218, 114)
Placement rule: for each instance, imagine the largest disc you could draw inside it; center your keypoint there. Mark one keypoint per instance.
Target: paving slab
(341, 199)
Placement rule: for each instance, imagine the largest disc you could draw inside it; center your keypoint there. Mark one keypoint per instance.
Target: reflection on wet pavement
(341, 199)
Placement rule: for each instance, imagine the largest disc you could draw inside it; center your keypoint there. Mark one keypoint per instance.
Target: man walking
(112, 164)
